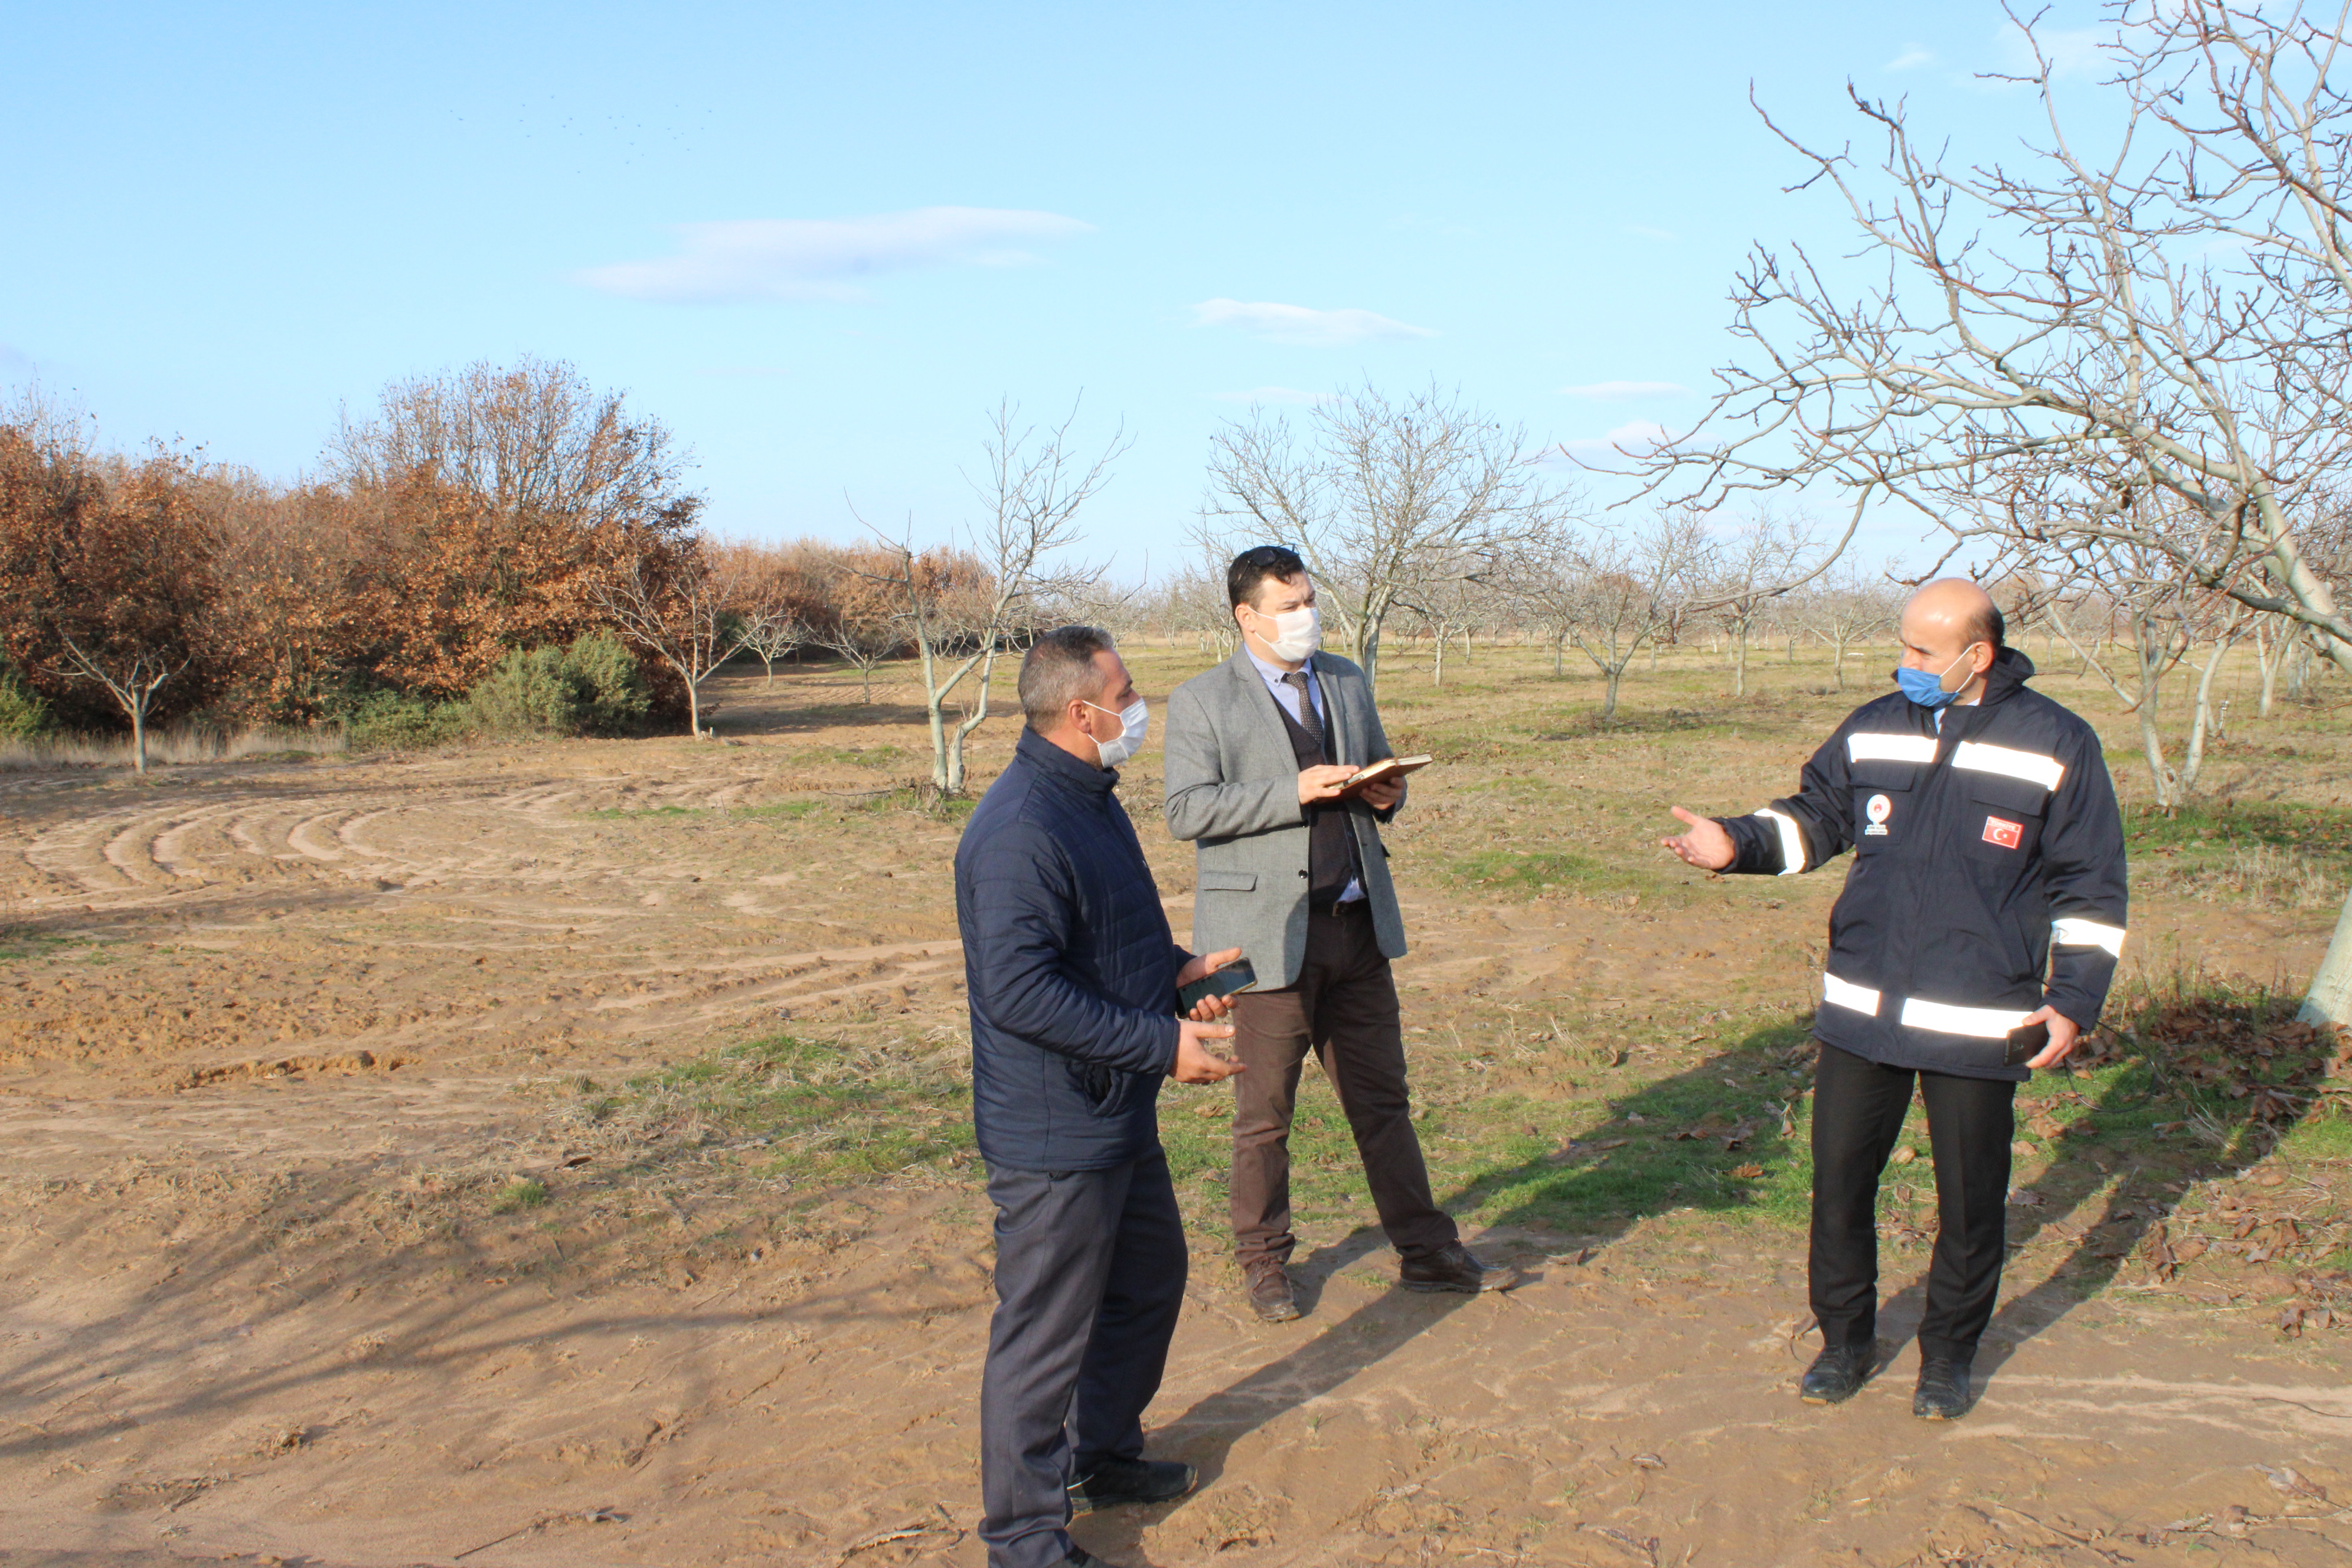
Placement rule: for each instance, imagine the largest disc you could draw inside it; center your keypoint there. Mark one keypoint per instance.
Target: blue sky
(819, 243)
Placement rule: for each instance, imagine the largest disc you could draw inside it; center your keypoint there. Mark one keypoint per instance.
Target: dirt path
(258, 1015)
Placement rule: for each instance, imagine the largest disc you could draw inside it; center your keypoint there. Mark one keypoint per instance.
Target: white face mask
(1135, 723)
(1297, 633)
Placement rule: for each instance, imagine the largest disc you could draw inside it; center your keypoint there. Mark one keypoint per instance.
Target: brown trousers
(1344, 1009)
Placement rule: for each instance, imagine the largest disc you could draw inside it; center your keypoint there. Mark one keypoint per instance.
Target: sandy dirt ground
(257, 1015)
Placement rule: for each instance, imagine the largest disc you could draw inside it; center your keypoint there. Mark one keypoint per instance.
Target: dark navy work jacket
(1988, 877)
(1070, 967)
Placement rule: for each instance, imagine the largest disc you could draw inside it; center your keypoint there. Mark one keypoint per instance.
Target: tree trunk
(1837, 660)
(138, 738)
(2267, 650)
(2192, 761)
(2329, 1000)
(1739, 662)
(1609, 701)
(1438, 670)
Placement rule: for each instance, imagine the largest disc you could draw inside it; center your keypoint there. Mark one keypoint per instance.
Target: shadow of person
(1701, 1139)
(2225, 1078)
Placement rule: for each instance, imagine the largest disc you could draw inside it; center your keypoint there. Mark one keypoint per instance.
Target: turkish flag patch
(2006, 833)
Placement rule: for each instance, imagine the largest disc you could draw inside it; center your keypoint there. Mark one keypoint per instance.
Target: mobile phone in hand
(2026, 1044)
(1233, 978)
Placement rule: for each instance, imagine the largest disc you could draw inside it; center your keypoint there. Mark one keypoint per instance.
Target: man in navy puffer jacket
(1072, 974)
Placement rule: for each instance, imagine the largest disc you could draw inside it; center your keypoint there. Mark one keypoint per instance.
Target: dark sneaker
(1270, 1293)
(1837, 1374)
(1116, 1483)
(1945, 1391)
(1453, 1268)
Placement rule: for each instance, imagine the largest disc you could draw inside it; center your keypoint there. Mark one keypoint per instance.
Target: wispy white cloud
(1627, 389)
(1912, 57)
(1275, 394)
(758, 260)
(1646, 232)
(2071, 51)
(1634, 438)
(1298, 324)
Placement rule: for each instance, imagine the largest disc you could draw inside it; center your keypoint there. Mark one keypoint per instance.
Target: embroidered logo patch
(1878, 808)
(2006, 833)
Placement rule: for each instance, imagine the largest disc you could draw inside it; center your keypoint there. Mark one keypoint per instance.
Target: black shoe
(1945, 1391)
(1454, 1267)
(1270, 1293)
(1115, 1483)
(1837, 1374)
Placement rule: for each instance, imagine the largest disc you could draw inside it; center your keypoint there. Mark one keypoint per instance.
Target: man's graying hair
(1059, 670)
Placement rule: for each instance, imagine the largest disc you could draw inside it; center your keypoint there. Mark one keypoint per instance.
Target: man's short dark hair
(1251, 567)
(1991, 627)
(1059, 670)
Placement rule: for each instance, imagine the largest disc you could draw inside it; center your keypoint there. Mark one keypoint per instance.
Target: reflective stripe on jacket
(1988, 877)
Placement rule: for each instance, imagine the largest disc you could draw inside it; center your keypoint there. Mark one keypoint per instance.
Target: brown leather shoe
(1270, 1296)
(1453, 1268)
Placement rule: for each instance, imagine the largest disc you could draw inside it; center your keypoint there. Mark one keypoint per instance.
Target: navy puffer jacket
(1070, 967)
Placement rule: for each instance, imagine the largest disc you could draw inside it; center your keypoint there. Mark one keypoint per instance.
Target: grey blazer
(1232, 789)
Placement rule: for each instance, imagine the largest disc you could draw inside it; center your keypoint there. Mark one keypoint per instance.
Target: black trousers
(1858, 1111)
(1090, 1270)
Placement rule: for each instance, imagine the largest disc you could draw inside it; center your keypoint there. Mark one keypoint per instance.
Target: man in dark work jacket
(1072, 973)
(1259, 750)
(1974, 941)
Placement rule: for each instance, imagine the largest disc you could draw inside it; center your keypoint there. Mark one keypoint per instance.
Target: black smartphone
(2026, 1044)
(1234, 977)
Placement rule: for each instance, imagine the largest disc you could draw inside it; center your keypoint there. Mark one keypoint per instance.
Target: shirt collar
(1271, 672)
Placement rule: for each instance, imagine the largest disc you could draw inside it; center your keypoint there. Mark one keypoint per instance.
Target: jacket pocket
(1212, 881)
(1108, 1091)
(2002, 824)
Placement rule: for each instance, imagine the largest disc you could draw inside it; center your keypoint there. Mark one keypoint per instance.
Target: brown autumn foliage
(474, 514)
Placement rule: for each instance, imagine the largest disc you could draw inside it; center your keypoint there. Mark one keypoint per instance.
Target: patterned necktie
(1309, 720)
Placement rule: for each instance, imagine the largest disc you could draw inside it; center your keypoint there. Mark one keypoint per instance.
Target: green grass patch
(520, 1195)
(1527, 872)
(820, 1111)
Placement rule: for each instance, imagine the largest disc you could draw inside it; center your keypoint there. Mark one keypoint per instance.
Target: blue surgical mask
(1926, 688)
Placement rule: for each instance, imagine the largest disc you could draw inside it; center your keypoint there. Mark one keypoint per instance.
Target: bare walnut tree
(2144, 351)
(673, 599)
(1383, 500)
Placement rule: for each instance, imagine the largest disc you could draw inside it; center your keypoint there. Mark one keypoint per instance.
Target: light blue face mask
(1926, 688)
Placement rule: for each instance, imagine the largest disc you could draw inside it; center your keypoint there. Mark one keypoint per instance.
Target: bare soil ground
(397, 1175)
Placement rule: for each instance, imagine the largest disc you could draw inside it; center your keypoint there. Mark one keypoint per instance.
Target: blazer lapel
(1255, 695)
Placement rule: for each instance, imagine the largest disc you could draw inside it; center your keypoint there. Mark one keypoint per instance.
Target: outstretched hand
(1705, 845)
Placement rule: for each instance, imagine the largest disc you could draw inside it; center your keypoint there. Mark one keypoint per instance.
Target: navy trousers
(1858, 1111)
(1090, 1270)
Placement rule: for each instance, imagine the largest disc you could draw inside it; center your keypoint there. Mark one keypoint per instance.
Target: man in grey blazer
(1296, 878)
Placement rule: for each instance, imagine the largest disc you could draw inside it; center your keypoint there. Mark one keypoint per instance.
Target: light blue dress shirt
(1288, 695)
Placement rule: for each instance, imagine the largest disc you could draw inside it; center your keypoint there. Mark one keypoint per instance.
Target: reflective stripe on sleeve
(1792, 840)
(1865, 747)
(1979, 1022)
(2031, 766)
(1843, 994)
(2073, 931)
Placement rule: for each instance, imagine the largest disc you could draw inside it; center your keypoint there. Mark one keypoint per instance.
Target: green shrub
(23, 714)
(532, 692)
(593, 687)
(613, 685)
(388, 720)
